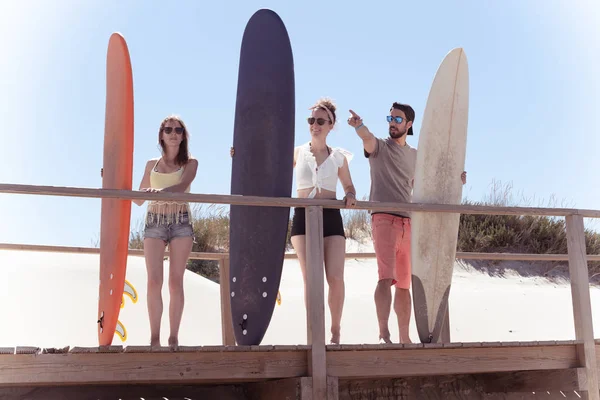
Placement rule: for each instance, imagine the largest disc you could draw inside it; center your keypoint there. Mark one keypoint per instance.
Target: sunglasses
(320, 121)
(168, 130)
(398, 120)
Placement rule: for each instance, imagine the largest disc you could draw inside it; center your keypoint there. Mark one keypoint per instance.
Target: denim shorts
(159, 227)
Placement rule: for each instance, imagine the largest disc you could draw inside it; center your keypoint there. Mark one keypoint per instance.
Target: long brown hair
(183, 156)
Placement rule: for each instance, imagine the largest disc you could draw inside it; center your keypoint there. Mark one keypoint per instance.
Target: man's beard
(396, 134)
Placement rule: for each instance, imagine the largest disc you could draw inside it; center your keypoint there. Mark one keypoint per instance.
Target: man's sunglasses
(320, 121)
(398, 120)
(168, 130)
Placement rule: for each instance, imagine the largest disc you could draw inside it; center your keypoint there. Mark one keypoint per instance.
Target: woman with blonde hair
(168, 223)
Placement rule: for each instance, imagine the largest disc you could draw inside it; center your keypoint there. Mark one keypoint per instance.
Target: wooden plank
(396, 346)
(291, 347)
(281, 389)
(519, 256)
(96, 250)
(98, 349)
(491, 344)
(227, 334)
(291, 256)
(53, 350)
(534, 381)
(306, 389)
(333, 388)
(155, 367)
(463, 360)
(27, 350)
(437, 387)
(530, 343)
(210, 348)
(582, 310)
(471, 344)
(317, 365)
(433, 345)
(142, 349)
(452, 345)
(471, 386)
(123, 392)
(287, 201)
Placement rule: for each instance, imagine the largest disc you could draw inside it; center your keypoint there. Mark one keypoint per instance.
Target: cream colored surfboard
(440, 162)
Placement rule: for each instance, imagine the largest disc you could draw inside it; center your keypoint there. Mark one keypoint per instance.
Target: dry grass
(211, 234)
(477, 233)
(521, 234)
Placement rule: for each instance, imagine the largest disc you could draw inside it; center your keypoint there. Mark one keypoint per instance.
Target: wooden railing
(576, 257)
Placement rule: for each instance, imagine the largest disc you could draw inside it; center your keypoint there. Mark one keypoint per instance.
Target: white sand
(50, 300)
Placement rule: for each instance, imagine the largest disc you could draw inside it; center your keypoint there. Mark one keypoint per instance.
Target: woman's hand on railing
(350, 200)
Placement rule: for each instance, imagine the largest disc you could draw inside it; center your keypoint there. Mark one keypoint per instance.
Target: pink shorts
(391, 237)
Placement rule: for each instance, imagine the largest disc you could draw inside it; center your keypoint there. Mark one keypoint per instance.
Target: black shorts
(332, 222)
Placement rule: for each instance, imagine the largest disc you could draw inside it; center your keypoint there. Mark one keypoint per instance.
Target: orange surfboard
(117, 173)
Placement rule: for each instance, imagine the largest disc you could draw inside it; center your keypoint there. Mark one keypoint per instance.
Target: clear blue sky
(534, 94)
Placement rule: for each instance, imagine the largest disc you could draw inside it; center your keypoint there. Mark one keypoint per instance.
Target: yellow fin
(278, 298)
(130, 291)
(121, 331)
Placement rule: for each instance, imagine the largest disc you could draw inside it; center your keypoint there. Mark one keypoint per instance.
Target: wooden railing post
(317, 364)
(226, 322)
(582, 309)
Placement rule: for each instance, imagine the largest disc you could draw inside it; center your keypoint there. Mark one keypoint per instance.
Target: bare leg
(154, 250)
(402, 307)
(383, 304)
(335, 254)
(299, 243)
(180, 248)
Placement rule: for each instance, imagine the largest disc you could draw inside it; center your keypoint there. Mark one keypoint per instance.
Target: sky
(534, 92)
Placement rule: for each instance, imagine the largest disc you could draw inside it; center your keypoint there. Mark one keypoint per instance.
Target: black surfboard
(262, 165)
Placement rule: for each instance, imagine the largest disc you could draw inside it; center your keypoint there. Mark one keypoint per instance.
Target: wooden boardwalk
(507, 370)
(450, 370)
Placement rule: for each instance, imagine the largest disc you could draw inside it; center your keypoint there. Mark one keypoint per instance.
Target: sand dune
(50, 300)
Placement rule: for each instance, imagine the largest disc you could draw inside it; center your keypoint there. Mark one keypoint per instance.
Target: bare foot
(405, 337)
(335, 339)
(335, 335)
(154, 342)
(384, 336)
(173, 344)
(384, 340)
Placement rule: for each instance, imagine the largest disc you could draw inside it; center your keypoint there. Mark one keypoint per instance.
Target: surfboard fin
(121, 331)
(130, 291)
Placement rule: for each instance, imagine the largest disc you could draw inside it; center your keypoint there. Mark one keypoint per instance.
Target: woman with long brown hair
(168, 223)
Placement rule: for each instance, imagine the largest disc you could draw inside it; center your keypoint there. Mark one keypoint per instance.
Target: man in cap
(392, 163)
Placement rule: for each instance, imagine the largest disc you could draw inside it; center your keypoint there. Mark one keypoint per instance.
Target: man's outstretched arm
(369, 140)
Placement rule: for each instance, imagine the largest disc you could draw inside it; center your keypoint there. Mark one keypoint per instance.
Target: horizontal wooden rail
(96, 250)
(291, 256)
(484, 256)
(290, 202)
